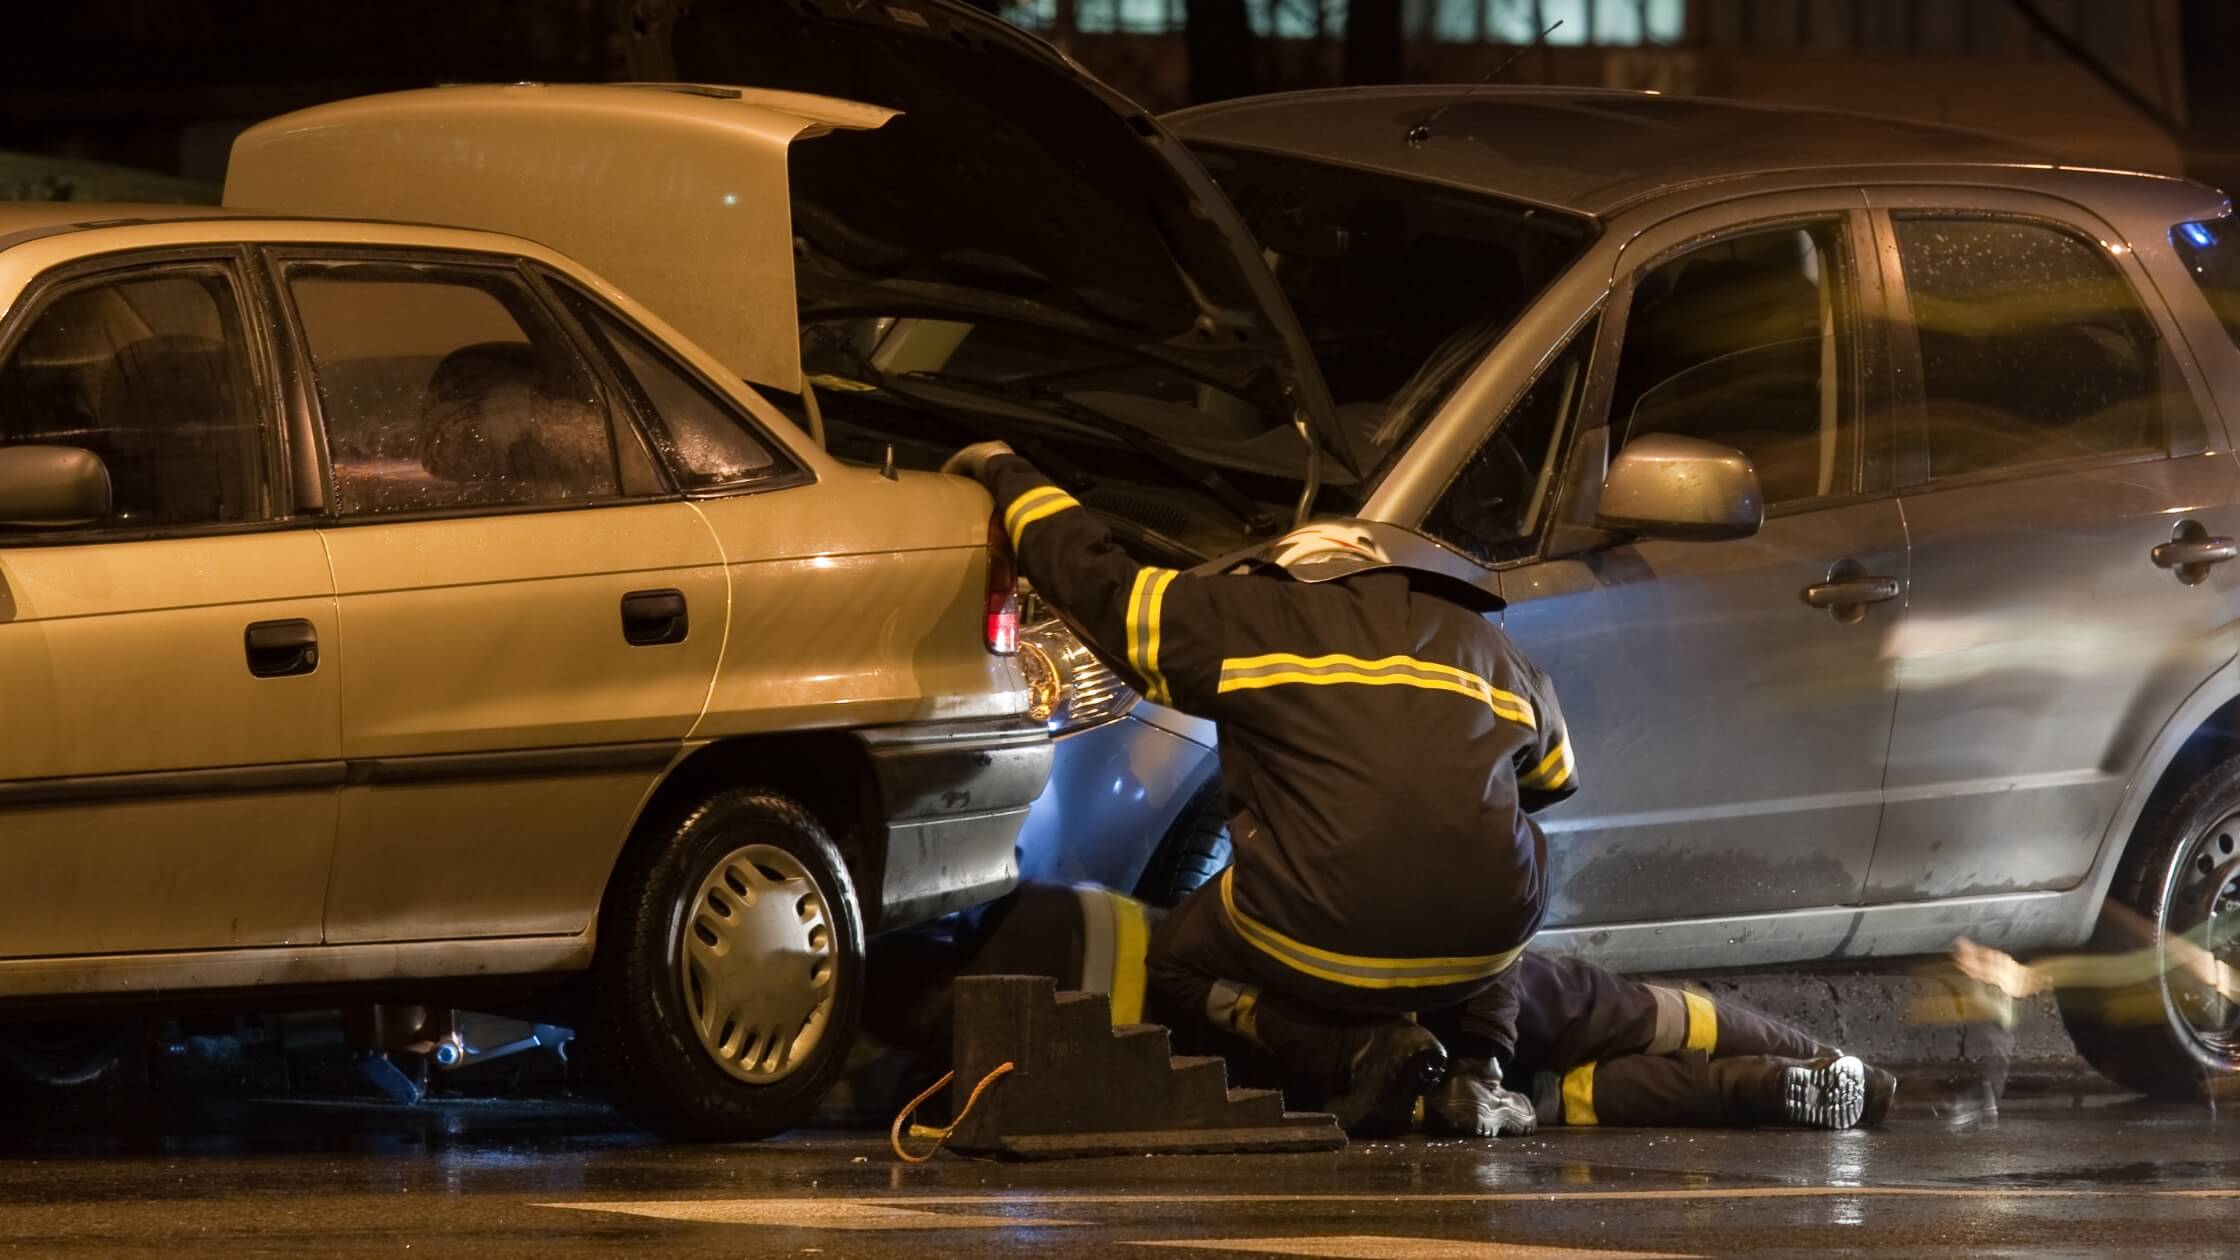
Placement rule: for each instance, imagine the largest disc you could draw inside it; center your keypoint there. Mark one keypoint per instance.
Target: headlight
(1067, 686)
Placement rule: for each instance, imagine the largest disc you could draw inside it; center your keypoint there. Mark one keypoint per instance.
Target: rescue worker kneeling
(1592, 1047)
(1381, 744)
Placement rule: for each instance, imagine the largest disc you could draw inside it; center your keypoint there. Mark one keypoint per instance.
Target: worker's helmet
(1324, 551)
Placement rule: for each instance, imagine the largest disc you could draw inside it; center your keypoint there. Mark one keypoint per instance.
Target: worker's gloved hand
(1472, 1103)
(972, 461)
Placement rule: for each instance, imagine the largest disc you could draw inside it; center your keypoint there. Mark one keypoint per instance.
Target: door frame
(1872, 390)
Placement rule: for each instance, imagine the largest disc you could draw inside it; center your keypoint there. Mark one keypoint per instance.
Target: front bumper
(952, 798)
(1115, 791)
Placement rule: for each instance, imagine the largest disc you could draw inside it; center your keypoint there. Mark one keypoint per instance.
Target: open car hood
(1012, 184)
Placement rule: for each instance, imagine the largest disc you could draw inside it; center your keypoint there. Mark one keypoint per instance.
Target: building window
(1608, 23)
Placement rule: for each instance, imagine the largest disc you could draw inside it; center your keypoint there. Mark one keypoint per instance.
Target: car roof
(39, 216)
(1592, 151)
(22, 222)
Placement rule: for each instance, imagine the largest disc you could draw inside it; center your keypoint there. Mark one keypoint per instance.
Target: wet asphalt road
(302, 1178)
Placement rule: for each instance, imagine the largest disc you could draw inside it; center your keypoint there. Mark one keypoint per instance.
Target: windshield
(1400, 285)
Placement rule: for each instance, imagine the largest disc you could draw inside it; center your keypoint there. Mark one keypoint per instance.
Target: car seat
(491, 419)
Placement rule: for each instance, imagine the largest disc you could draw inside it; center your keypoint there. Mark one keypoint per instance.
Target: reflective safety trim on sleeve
(1578, 1095)
(1032, 506)
(1131, 941)
(1145, 600)
(1553, 771)
(1249, 673)
(1703, 1022)
(1359, 971)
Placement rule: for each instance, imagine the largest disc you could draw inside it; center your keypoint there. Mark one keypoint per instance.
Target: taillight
(1003, 592)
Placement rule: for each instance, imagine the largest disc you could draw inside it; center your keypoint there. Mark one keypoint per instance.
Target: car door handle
(1858, 590)
(652, 618)
(2186, 553)
(281, 649)
(1847, 595)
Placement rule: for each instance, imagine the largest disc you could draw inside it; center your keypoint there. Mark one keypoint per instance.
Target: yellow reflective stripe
(1131, 941)
(1703, 1022)
(1554, 769)
(1154, 602)
(1340, 668)
(1373, 680)
(1047, 507)
(1145, 599)
(1355, 970)
(1578, 1095)
(1040, 494)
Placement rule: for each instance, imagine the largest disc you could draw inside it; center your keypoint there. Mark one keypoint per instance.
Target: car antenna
(1422, 130)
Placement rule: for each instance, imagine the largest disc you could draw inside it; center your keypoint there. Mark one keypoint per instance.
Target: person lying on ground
(1593, 1047)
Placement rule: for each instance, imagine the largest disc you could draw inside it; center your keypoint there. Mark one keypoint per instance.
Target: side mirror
(52, 487)
(1665, 486)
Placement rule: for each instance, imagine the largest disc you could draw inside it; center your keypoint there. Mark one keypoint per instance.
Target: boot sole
(1392, 1107)
(1831, 1097)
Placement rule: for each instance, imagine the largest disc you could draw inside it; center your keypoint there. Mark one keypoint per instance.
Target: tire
(72, 1055)
(2172, 1037)
(748, 873)
(1196, 849)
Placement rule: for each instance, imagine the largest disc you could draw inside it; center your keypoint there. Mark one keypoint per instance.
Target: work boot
(1822, 1093)
(1882, 1089)
(1472, 1103)
(1396, 1065)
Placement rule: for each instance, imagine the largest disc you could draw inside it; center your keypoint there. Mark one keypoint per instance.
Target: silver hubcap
(2205, 889)
(756, 954)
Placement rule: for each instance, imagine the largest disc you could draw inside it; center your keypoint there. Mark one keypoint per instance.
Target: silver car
(1863, 484)
(1974, 671)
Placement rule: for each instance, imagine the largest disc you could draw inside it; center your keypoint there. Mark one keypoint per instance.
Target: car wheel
(729, 974)
(70, 1054)
(1196, 849)
(2173, 1035)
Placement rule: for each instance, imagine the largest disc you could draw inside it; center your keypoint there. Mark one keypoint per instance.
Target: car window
(2033, 347)
(447, 387)
(150, 371)
(2212, 256)
(708, 442)
(1493, 508)
(1748, 342)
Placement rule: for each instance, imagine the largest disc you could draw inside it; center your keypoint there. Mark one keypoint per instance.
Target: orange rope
(894, 1134)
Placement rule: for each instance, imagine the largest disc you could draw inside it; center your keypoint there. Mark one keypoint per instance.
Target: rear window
(2211, 252)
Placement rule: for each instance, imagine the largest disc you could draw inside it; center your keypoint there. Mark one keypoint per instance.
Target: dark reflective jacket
(1380, 745)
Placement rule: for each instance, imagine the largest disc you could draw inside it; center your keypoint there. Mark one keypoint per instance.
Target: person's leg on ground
(1692, 1090)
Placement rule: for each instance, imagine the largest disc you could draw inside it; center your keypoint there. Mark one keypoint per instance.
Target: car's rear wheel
(729, 976)
(2171, 1033)
(1196, 849)
(71, 1054)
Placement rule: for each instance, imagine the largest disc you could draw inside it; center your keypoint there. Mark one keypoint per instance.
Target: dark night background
(162, 86)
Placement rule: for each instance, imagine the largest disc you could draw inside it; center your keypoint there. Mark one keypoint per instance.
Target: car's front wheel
(2164, 1022)
(1197, 849)
(729, 976)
